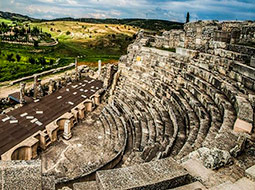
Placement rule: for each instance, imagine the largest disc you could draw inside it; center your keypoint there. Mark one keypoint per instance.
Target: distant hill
(17, 17)
(150, 24)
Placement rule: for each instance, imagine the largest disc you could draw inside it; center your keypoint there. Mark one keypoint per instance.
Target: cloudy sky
(154, 9)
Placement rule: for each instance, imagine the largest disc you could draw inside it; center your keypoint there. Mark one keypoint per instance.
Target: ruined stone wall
(198, 35)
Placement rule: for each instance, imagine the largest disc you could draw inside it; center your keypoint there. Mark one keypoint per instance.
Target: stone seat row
(214, 119)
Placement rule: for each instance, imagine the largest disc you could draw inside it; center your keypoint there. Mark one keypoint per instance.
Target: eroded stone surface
(250, 172)
(83, 153)
(165, 173)
(91, 185)
(20, 175)
(193, 186)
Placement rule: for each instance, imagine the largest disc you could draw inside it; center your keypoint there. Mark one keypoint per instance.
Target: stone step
(163, 174)
(192, 186)
(197, 169)
(224, 186)
(250, 172)
(242, 184)
(90, 185)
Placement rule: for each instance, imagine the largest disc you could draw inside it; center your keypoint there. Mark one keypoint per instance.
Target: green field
(91, 41)
(5, 21)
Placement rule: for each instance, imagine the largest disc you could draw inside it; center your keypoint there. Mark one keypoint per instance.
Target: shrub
(68, 33)
(36, 43)
(10, 57)
(31, 60)
(18, 57)
(42, 61)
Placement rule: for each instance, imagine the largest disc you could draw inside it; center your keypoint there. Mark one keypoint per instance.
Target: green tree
(42, 61)
(10, 57)
(31, 60)
(187, 17)
(36, 43)
(18, 57)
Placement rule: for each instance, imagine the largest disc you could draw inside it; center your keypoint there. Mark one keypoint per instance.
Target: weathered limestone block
(160, 174)
(244, 109)
(81, 111)
(239, 148)
(216, 158)
(252, 64)
(192, 186)
(217, 45)
(242, 126)
(250, 172)
(244, 69)
(67, 130)
(66, 188)
(75, 113)
(48, 183)
(89, 105)
(52, 129)
(20, 175)
(212, 158)
(187, 52)
(22, 93)
(252, 100)
(114, 83)
(91, 185)
(42, 140)
(51, 86)
(245, 115)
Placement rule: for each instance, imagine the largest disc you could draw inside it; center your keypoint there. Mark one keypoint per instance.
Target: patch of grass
(6, 21)
(107, 46)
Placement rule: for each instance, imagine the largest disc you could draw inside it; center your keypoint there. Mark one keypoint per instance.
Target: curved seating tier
(171, 105)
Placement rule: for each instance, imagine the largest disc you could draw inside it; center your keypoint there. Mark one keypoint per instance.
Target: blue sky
(174, 10)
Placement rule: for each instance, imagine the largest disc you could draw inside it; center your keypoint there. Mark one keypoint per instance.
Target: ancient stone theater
(176, 112)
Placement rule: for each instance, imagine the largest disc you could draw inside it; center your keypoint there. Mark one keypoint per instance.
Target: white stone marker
(67, 130)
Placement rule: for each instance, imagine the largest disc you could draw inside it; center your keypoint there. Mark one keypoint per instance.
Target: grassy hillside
(83, 32)
(16, 17)
(6, 21)
(92, 41)
(149, 24)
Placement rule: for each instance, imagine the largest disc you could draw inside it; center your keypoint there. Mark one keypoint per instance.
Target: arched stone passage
(22, 153)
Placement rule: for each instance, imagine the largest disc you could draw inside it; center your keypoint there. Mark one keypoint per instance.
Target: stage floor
(23, 122)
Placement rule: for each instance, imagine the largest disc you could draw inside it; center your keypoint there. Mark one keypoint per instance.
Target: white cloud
(160, 9)
(72, 2)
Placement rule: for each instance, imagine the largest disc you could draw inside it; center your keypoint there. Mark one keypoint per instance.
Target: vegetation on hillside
(150, 24)
(14, 32)
(91, 41)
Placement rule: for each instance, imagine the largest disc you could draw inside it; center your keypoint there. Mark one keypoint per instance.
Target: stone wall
(211, 37)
